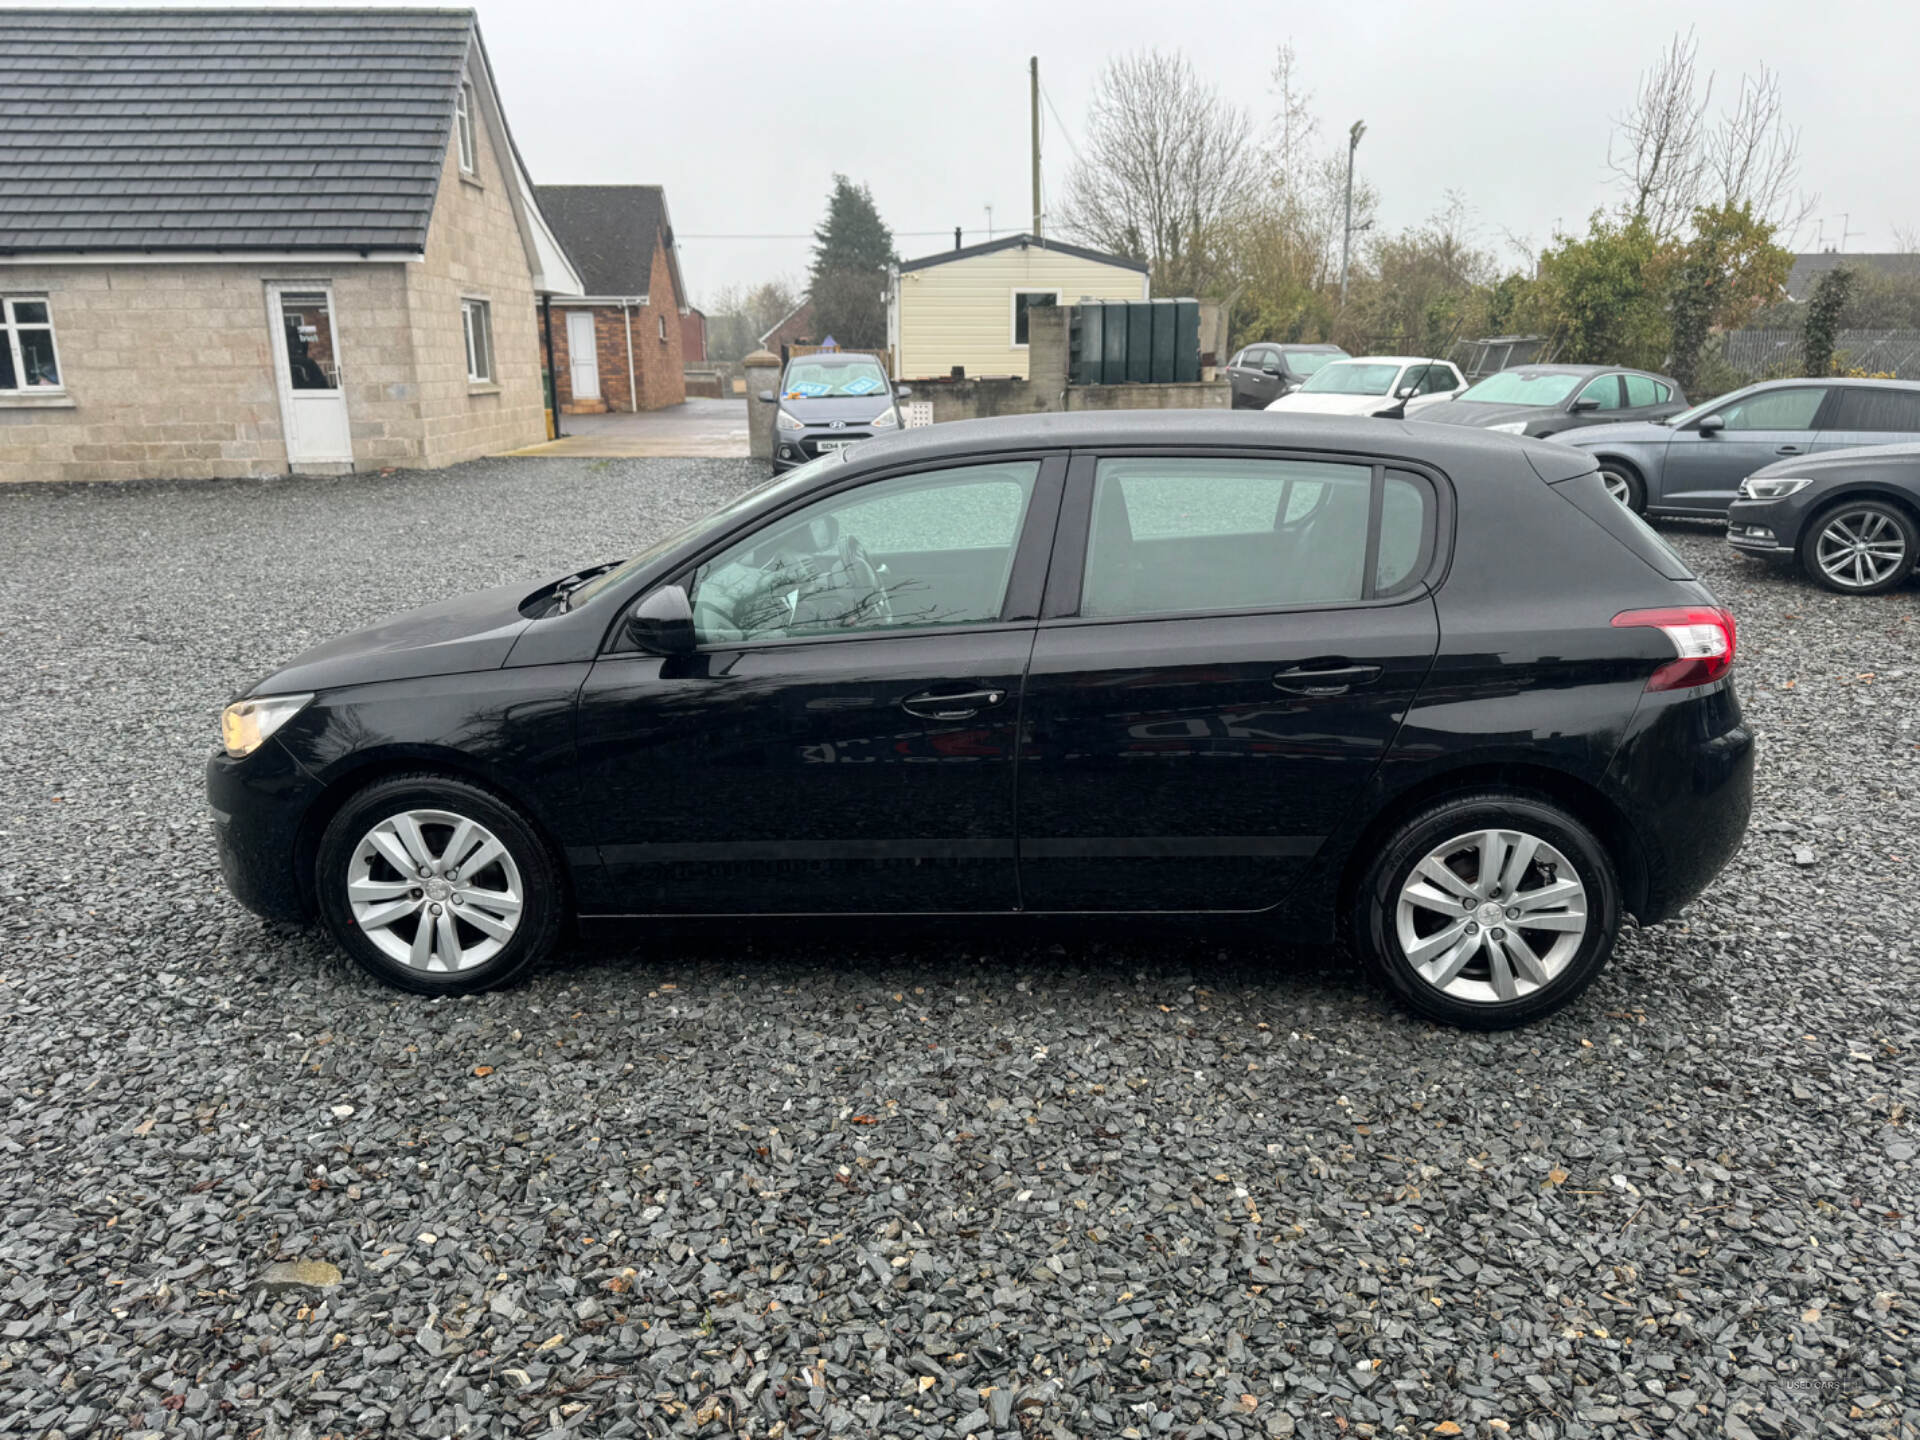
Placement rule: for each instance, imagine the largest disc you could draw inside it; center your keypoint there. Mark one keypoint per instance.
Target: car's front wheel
(438, 886)
(1624, 484)
(1860, 547)
(1488, 910)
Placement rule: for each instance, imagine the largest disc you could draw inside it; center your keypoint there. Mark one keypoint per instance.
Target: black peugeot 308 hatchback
(1427, 687)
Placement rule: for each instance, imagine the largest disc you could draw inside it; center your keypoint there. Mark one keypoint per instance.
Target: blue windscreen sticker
(861, 385)
(808, 389)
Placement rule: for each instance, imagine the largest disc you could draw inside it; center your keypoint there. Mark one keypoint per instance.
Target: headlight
(886, 419)
(1769, 488)
(786, 422)
(245, 725)
(1511, 427)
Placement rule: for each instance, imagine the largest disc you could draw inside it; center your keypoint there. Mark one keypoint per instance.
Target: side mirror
(902, 392)
(662, 623)
(1584, 404)
(1269, 368)
(1711, 425)
(766, 397)
(1405, 392)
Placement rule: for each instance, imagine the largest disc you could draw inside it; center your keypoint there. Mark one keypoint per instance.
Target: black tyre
(438, 886)
(1860, 547)
(1623, 482)
(1488, 910)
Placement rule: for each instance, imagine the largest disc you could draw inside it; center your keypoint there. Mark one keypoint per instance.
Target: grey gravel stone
(1121, 1180)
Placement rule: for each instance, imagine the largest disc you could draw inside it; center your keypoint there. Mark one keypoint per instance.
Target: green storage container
(1186, 342)
(1083, 345)
(1113, 342)
(1160, 365)
(1139, 342)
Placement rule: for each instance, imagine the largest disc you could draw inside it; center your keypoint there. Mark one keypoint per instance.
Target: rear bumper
(258, 805)
(1684, 779)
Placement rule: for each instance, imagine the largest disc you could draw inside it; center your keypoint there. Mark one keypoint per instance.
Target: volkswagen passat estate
(1425, 686)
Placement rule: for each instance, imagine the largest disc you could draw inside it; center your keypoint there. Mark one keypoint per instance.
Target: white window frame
(10, 329)
(474, 307)
(1013, 311)
(463, 129)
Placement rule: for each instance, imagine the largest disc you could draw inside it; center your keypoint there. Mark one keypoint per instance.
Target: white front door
(306, 363)
(583, 355)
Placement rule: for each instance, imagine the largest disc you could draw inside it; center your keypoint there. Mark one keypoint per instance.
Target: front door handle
(931, 705)
(1791, 450)
(1333, 679)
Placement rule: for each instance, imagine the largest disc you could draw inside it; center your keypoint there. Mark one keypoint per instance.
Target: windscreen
(834, 379)
(1351, 378)
(1513, 387)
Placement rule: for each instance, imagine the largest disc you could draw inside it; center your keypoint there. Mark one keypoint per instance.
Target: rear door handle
(1334, 679)
(931, 705)
(1791, 450)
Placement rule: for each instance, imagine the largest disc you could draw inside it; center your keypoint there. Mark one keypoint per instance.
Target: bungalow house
(966, 308)
(244, 242)
(793, 328)
(620, 345)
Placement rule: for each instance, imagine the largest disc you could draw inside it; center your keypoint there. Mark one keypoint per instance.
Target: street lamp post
(1346, 242)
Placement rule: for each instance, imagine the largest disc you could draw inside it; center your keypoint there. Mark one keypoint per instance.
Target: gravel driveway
(1001, 1183)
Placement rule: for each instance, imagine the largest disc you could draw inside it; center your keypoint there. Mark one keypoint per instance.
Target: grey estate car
(1693, 464)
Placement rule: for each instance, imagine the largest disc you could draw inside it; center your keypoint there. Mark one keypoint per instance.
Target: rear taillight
(1703, 641)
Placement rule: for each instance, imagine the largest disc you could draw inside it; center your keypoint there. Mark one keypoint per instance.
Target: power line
(908, 234)
(1065, 134)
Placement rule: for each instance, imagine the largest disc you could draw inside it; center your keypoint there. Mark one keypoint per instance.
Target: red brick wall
(693, 338)
(658, 362)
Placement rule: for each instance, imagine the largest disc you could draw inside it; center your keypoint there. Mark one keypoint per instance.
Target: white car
(1374, 385)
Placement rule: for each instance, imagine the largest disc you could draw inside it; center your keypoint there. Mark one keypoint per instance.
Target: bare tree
(1753, 156)
(1658, 153)
(1164, 161)
(1906, 238)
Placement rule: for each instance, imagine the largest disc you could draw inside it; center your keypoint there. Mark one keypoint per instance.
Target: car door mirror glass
(662, 623)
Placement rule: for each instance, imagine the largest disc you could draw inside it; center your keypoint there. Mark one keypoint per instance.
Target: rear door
(1871, 415)
(1227, 648)
(1705, 468)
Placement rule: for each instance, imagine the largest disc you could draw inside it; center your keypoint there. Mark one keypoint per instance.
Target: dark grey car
(1261, 374)
(827, 401)
(1694, 463)
(1850, 517)
(1543, 400)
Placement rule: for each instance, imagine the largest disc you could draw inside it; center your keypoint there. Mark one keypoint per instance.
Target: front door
(306, 364)
(1704, 468)
(842, 738)
(583, 355)
(1214, 682)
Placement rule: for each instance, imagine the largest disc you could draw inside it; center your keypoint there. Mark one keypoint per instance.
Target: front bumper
(1777, 526)
(259, 805)
(797, 447)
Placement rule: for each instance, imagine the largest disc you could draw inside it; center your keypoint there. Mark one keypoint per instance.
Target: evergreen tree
(851, 252)
(1830, 294)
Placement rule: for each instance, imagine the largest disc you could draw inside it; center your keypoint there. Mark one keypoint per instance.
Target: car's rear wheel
(1624, 484)
(438, 886)
(1488, 910)
(1860, 547)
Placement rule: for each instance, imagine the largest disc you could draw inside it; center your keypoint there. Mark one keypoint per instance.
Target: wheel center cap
(1490, 913)
(437, 890)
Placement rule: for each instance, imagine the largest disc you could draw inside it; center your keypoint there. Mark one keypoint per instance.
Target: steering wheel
(860, 570)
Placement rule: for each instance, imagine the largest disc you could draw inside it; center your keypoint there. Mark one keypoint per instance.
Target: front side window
(1439, 378)
(1645, 390)
(1775, 409)
(1351, 378)
(1518, 387)
(463, 128)
(1023, 301)
(28, 360)
(1604, 391)
(1864, 408)
(933, 549)
(477, 319)
(1180, 535)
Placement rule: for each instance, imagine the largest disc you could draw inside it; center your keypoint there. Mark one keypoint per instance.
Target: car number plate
(824, 445)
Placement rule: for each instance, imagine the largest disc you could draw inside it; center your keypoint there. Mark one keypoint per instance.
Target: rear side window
(1873, 409)
(1182, 535)
(1645, 390)
(1588, 494)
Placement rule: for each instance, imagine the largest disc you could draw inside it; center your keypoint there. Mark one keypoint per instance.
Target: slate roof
(1807, 269)
(225, 129)
(609, 233)
(1007, 242)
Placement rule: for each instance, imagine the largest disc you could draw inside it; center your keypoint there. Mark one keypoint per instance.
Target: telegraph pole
(1346, 242)
(1033, 88)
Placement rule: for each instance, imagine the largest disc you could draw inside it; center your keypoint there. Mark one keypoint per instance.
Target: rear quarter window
(1588, 494)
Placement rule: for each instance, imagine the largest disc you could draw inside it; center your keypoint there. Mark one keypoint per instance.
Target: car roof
(1582, 370)
(833, 357)
(1447, 447)
(1394, 360)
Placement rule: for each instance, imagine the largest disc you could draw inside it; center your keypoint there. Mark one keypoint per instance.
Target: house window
(28, 360)
(1023, 301)
(476, 318)
(463, 126)
(663, 328)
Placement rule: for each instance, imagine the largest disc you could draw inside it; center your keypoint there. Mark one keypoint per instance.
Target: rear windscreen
(1588, 494)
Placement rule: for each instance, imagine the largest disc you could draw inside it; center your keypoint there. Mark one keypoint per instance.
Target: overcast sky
(745, 110)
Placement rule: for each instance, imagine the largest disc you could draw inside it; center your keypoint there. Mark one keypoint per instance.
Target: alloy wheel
(1618, 487)
(1491, 916)
(1859, 548)
(434, 891)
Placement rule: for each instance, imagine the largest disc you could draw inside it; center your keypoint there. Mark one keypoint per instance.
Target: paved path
(696, 429)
